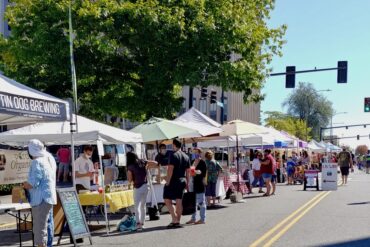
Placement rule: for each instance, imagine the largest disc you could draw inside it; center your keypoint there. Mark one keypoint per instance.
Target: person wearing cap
(41, 185)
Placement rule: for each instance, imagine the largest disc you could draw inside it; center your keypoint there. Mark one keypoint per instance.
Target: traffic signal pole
(338, 127)
(290, 72)
(306, 71)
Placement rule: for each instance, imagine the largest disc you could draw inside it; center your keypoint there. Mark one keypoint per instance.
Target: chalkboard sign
(73, 213)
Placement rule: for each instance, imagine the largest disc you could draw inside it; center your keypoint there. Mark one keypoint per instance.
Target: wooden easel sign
(73, 212)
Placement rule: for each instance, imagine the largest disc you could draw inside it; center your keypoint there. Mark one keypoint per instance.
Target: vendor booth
(90, 132)
(21, 105)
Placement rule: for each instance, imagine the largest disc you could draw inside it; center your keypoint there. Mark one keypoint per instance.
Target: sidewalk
(6, 221)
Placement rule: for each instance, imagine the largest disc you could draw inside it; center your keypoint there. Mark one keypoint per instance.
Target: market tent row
(20, 104)
(59, 133)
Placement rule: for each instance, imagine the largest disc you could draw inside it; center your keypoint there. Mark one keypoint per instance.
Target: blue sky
(319, 34)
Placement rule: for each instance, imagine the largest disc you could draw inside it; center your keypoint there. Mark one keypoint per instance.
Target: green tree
(290, 124)
(133, 57)
(305, 103)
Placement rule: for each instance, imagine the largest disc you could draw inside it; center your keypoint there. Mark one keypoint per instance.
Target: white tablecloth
(220, 188)
(13, 207)
(158, 193)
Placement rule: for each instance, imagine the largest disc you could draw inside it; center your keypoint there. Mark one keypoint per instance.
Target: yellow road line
(272, 230)
(287, 227)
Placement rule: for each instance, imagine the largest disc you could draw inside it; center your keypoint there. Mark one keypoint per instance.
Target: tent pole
(237, 163)
(103, 186)
(73, 123)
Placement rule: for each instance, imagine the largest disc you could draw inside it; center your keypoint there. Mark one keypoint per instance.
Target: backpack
(127, 224)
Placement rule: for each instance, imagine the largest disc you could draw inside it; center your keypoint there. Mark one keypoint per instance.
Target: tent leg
(105, 199)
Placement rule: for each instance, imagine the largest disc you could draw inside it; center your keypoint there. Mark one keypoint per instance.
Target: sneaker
(199, 222)
(261, 191)
(139, 227)
(190, 222)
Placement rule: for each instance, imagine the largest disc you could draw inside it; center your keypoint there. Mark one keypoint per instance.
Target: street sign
(329, 176)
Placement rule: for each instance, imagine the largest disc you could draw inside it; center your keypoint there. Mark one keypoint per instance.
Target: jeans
(140, 195)
(259, 180)
(50, 228)
(201, 201)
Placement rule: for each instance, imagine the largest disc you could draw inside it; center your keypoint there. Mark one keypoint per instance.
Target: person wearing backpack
(137, 175)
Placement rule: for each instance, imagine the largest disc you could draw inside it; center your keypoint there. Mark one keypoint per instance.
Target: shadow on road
(146, 230)
(216, 207)
(354, 243)
(358, 203)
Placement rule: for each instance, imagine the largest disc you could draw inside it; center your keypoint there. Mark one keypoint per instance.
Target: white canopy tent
(20, 104)
(52, 133)
(330, 147)
(200, 122)
(315, 146)
(90, 132)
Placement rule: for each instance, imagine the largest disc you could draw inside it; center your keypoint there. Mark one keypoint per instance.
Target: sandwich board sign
(329, 179)
(73, 213)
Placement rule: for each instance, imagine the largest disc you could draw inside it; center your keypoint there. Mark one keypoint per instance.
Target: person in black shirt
(198, 171)
(161, 156)
(176, 182)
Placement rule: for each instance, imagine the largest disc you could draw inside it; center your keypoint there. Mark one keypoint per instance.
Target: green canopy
(158, 129)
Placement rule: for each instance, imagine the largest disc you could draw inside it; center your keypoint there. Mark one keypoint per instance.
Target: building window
(213, 111)
(183, 108)
(225, 109)
(195, 103)
(203, 106)
(3, 128)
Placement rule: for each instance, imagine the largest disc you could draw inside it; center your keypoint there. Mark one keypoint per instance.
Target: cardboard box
(19, 195)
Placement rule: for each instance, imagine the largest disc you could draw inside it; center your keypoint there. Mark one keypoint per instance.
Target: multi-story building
(233, 106)
(4, 27)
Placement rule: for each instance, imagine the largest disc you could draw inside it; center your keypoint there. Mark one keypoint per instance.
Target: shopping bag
(188, 203)
(153, 213)
(127, 224)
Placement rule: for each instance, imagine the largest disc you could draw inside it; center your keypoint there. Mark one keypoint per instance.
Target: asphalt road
(337, 218)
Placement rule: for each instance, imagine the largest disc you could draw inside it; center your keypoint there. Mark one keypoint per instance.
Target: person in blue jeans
(50, 229)
(198, 172)
(256, 167)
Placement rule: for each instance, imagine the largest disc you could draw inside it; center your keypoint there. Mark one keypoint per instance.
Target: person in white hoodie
(41, 185)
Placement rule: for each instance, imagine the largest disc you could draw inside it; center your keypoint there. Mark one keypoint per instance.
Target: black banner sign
(31, 107)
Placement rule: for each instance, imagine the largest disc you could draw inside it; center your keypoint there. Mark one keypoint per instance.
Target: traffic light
(358, 137)
(290, 77)
(367, 105)
(342, 72)
(203, 93)
(213, 98)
